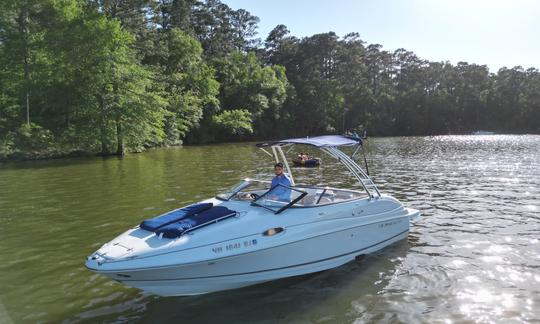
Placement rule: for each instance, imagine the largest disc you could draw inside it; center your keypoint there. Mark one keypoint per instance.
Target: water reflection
(474, 255)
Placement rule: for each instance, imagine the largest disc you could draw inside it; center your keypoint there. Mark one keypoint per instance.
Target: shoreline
(22, 156)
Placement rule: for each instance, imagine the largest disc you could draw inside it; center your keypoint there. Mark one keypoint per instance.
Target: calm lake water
(473, 255)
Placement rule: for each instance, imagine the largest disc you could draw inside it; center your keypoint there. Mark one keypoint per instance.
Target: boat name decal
(389, 223)
(234, 246)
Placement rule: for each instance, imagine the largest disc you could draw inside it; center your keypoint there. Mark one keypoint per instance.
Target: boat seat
(308, 200)
(163, 220)
(325, 200)
(204, 218)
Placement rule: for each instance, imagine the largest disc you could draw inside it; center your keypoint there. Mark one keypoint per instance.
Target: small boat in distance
(253, 232)
(481, 132)
(308, 163)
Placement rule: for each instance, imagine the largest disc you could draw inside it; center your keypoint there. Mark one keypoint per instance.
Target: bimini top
(318, 141)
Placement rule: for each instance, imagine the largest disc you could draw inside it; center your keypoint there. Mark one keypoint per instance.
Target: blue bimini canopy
(318, 141)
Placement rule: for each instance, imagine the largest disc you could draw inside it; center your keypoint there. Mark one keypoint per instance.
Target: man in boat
(281, 193)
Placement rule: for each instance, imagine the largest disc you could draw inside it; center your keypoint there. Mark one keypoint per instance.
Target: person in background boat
(281, 193)
(352, 134)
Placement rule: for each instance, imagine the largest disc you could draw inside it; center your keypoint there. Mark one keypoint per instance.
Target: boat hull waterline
(204, 285)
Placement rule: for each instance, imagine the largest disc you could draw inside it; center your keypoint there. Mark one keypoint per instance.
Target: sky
(493, 32)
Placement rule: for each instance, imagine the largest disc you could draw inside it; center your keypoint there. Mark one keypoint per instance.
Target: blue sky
(497, 32)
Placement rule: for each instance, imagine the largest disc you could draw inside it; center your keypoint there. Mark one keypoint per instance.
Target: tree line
(114, 75)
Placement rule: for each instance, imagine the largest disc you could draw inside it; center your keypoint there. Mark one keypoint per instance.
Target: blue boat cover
(178, 228)
(318, 141)
(174, 216)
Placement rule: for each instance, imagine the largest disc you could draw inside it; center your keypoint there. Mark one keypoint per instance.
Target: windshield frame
(231, 192)
(283, 208)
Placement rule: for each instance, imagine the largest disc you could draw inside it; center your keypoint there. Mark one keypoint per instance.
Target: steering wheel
(254, 196)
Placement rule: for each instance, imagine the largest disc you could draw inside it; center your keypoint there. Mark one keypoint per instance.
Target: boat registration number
(234, 246)
(381, 225)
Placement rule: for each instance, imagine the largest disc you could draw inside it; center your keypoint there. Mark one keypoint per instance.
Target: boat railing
(328, 144)
(365, 181)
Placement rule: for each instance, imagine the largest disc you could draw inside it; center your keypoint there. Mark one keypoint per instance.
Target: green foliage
(245, 82)
(115, 101)
(109, 76)
(32, 137)
(234, 122)
(188, 81)
(342, 84)
(222, 30)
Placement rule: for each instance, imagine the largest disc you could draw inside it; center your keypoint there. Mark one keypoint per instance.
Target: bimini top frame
(328, 144)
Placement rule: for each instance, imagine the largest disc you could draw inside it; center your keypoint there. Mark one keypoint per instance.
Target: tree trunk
(104, 149)
(24, 30)
(27, 107)
(119, 138)
(102, 130)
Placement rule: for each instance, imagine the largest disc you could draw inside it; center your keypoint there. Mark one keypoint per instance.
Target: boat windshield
(251, 190)
(279, 198)
(244, 190)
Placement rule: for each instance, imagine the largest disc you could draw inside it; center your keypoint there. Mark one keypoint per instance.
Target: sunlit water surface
(473, 255)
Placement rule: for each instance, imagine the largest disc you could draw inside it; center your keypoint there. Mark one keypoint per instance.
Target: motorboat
(253, 232)
(481, 132)
(308, 163)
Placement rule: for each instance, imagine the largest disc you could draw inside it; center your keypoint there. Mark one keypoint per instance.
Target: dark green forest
(110, 76)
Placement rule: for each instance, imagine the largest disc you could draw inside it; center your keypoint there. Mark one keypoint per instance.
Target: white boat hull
(197, 286)
(305, 256)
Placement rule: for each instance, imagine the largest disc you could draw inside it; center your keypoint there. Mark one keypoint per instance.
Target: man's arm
(285, 194)
(287, 180)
